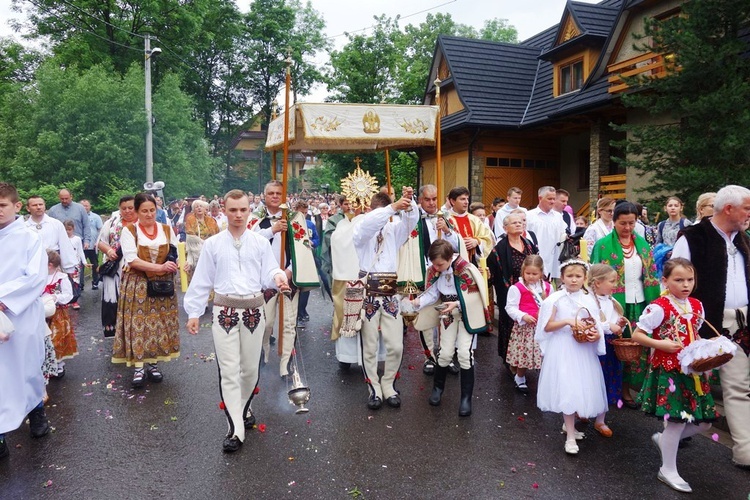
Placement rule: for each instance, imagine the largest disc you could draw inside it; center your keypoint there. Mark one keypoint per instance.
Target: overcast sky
(528, 16)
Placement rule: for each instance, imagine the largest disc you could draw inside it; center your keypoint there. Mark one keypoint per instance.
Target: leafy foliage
(706, 93)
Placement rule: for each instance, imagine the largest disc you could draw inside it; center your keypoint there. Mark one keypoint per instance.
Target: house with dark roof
(539, 112)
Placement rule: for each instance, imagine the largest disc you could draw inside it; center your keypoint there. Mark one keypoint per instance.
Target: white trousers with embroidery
(238, 340)
(381, 317)
(290, 328)
(455, 339)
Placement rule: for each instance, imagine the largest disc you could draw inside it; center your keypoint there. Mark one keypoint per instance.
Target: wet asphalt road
(164, 441)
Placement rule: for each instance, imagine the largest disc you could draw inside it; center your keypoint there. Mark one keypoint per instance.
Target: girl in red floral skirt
(524, 299)
(669, 324)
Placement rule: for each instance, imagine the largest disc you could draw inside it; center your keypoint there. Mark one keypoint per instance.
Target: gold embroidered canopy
(354, 127)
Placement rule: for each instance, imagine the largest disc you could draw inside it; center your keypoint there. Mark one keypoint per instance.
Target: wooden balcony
(612, 186)
(649, 65)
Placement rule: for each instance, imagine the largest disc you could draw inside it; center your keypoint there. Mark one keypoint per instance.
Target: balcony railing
(649, 65)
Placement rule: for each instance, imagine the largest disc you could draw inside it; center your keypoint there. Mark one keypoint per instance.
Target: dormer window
(571, 76)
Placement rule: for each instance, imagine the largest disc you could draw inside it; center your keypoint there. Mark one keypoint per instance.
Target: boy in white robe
(23, 274)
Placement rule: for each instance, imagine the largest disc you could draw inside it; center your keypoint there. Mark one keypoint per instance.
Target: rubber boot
(439, 380)
(467, 388)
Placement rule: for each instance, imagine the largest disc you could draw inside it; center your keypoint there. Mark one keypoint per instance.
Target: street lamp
(149, 53)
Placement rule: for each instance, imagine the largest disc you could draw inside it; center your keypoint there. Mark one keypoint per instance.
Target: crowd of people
(564, 290)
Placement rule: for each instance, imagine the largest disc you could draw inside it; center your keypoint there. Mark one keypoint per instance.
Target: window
(571, 76)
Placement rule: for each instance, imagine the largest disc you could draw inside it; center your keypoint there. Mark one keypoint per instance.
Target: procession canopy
(354, 127)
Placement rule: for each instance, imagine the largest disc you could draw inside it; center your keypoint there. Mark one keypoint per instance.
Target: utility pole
(149, 131)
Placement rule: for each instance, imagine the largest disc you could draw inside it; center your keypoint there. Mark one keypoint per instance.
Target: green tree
(91, 126)
(706, 93)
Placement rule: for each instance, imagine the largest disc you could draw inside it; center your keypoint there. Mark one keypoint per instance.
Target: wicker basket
(713, 362)
(627, 350)
(585, 328)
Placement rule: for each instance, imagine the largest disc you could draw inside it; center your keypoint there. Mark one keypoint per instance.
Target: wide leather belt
(381, 284)
(239, 301)
(448, 298)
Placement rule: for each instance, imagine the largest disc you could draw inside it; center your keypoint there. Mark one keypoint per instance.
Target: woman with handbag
(637, 285)
(147, 328)
(110, 272)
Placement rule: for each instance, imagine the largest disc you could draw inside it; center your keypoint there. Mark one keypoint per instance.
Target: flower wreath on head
(571, 262)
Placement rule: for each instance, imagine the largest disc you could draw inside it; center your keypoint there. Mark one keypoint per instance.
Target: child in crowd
(667, 325)
(75, 240)
(571, 380)
(63, 336)
(522, 305)
(602, 280)
(461, 289)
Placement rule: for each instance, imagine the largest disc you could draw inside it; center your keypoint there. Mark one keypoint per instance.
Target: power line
(400, 17)
(102, 20)
(179, 58)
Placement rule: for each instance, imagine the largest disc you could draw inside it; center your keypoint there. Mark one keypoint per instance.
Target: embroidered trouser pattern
(735, 384)
(454, 338)
(238, 341)
(381, 313)
(289, 334)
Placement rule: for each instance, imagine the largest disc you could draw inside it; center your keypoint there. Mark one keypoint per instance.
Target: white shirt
(444, 285)
(221, 221)
(500, 216)
(736, 292)
(65, 294)
(54, 237)
(596, 231)
(549, 228)
(633, 284)
(231, 271)
(609, 315)
(75, 240)
(431, 223)
(273, 238)
(394, 234)
(513, 301)
(129, 247)
(653, 316)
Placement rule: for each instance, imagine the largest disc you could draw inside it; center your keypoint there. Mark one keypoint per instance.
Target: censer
(299, 393)
(409, 292)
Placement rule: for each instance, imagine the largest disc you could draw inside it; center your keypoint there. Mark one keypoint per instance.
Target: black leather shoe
(231, 444)
(249, 420)
(3, 449)
(374, 403)
(153, 374)
(60, 373)
(522, 387)
(429, 367)
(272, 341)
(139, 378)
(629, 403)
(394, 401)
(38, 423)
(344, 366)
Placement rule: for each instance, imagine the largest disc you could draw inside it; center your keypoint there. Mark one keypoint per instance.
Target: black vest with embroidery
(708, 252)
(266, 223)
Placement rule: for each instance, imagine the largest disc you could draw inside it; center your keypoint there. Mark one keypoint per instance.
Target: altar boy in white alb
(237, 264)
(23, 274)
(377, 240)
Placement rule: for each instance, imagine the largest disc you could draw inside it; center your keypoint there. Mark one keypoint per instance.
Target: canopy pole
(388, 171)
(284, 183)
(274, 115)
(438, 156)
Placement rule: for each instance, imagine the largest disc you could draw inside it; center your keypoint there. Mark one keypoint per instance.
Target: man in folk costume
(23, 275)
(298, 263)
(456, 284)
(377, 240)
(475, 234)
(237, 264)
(414, 260)
(719, 249)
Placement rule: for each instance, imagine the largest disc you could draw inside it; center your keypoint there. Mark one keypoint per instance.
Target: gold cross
(357, 161)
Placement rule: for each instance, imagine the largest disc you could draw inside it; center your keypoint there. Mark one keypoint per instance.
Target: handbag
(110, 267)
(160, 287)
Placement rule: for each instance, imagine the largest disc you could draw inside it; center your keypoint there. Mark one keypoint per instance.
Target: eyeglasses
(610, 211)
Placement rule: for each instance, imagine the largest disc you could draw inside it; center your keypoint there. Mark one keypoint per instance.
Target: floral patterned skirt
(635, 372)
(672, 395)
(523, 350)
(148, 328)
(63, 336)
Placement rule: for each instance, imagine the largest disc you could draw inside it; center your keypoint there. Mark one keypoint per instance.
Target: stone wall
(599, 156)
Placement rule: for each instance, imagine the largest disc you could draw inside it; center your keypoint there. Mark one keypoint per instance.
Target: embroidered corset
(528, 303)
(674, 325)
